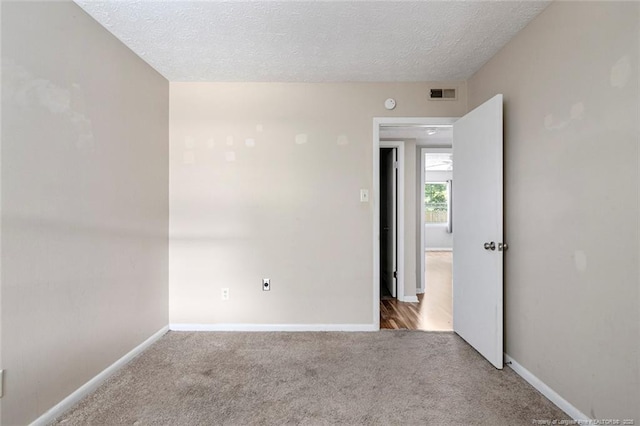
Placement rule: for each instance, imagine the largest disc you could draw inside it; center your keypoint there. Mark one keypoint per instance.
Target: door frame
(377, 122)
(399, 225)
(423, 150)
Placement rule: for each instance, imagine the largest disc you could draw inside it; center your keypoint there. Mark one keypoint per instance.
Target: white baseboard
(93, 384)
(272, 327)
(410, 299)
(549, 393)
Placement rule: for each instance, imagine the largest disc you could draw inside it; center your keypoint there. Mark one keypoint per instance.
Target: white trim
(93, 384)
(376, 224)
(416, 121)
(420, 288)
(545, 390)
(410, 299)
(272, 327)
(438, 249)
(399, 145)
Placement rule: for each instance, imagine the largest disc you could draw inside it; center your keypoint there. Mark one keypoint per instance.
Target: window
(436, 202)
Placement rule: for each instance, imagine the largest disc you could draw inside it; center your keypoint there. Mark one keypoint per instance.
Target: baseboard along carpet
(312, 378)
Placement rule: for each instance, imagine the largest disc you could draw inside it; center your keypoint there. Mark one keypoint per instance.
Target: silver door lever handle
(490, 246)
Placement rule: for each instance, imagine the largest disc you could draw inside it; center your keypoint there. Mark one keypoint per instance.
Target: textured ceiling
(314, 41)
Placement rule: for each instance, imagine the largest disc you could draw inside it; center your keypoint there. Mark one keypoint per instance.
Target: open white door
(477, 229)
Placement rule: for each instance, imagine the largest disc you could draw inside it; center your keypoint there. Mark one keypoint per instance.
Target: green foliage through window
(436, 202)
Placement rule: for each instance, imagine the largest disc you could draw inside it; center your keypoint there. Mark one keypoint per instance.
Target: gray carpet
(384, 378)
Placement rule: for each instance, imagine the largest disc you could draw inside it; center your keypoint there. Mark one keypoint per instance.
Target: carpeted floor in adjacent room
(384, 378)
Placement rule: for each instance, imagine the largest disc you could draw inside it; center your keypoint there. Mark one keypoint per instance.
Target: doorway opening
(388, 223)
(390, 191)
(397, 298)
(437, 239)
(477, 224)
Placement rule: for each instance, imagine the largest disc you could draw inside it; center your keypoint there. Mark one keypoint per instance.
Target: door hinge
(1, 383)
(395, 274)
(503, 246)
(395, 164)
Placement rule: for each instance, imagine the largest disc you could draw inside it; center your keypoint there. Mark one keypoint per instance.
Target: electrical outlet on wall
(225, 294)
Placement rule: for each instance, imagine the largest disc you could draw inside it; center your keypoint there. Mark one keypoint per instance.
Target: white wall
(410, 225)
(84, 203)
(436, 237)
(572, 285)
(282, 206)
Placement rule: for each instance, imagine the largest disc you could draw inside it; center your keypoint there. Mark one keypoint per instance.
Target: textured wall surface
(265, 182)
(572, 290)
(314, 41)
(84, 203)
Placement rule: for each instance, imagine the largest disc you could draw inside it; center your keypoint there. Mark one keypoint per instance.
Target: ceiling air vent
(442, 94)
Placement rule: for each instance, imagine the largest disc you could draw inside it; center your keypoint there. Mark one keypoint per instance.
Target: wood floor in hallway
(434, 308)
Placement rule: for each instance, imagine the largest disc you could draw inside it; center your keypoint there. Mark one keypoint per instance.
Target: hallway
(434, 310)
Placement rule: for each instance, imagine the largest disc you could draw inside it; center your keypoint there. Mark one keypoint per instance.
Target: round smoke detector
(390, 103)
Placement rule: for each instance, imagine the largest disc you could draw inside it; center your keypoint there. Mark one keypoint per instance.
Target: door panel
(478, 219)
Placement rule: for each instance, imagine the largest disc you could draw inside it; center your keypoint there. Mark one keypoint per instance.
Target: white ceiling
(438, 162)
(425, 135)
(314, 41)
